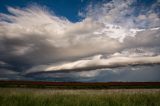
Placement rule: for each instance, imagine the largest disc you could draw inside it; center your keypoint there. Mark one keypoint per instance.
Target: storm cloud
(34, 39)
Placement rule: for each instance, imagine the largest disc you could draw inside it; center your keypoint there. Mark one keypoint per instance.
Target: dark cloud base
(126, 74)
(33, 39)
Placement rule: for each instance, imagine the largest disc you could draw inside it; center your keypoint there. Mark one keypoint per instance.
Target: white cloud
(36, 37)
(97, 63)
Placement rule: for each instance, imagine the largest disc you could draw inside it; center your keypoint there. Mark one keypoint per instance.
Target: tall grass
(36, 97)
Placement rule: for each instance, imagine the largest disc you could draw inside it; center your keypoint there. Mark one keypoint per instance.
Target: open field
(54, 97)
(37, 93)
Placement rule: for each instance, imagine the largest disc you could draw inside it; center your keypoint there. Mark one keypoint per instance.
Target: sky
(80, 40)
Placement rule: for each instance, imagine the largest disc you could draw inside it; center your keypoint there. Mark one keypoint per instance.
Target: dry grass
(51, 97)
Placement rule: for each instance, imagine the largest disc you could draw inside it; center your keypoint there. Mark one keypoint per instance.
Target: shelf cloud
(34, 39)
(98, 63)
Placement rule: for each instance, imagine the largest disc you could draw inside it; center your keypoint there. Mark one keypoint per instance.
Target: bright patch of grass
(48, 97)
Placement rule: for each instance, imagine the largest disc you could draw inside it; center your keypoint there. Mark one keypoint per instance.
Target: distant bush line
(80, 85)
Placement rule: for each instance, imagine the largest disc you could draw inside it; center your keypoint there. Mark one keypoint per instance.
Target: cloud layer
(33, 39)
(97, 63)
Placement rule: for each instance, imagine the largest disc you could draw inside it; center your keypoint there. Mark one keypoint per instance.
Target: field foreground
(55, 97)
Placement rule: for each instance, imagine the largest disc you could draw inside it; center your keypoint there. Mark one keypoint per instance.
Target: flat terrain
(55, 97)
(80, 85)
(39, 93)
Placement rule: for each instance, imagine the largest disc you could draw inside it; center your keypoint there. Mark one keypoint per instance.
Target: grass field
(52, 97)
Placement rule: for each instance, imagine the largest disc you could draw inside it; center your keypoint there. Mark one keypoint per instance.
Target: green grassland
(54, 97)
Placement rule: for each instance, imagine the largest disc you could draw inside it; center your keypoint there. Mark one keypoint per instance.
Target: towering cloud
(112, 34)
